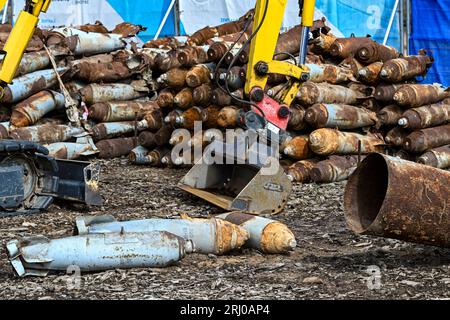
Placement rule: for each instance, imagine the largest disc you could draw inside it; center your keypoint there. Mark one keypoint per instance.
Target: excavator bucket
(253, 182)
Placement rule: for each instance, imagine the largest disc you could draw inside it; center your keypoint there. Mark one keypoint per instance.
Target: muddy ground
(330, 262)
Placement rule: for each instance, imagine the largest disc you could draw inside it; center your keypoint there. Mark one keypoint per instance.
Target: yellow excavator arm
(19, 38)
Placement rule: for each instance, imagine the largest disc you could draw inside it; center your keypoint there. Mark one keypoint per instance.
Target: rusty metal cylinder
(425, 117)
(390, 115)
(417, 95)
(312, 93)
(228, 117)
(184, 99)
(396, 136)
(4, 130)
(339, 116)
(334, 169)
(397, 70)
(438, 157)
(190, 56)
(115, 148)
(370, 74)
(210, 116)
(322, 44)
(137, 154)
(297, 148)
(46, 134)
(385, 92)
(174, 78)
(147, 139)
(108, 130)
(163, 135)
(348, 47)
(301, 170)
(188, 118)
(422, 140)
(330, 141)
(329, 73)
(31, 110)
(120, 110)
(101, 72)
(376, 52)
(202, 95)
(297, 118)
(199, 75)
(165, 98)
(96, 93)
(158, 157)
(166, 61)
(393, 198)
(221, 98)
(217, 50)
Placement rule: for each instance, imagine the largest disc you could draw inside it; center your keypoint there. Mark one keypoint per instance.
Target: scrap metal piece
(158, 157)
(266, 235)
(165, 61)
(297, 118)
(401, 69)
(228, 117)
(300, 171)
(174, 78)
(334, 169)
(147, 139)
(188, 118)
(72, 151)
(438, 157)
(209, 236)
(45, 134)
(184, 99)
(370, 74)
(116, 111)
(36, 256)
(165, 98)
(191, 56)
(97, 93)
(425, 117)
(348, 47)
(375, 52)
(163, 135)
(422, 140)
(385, 92)
(4, 130)
(339, 116)
(330, 141)
(202, 95)
(31, 110)
(313, 93)
(393, 198)
(115, 148)
(102, 72)
(200, 74)
(329, 73)
(136, 156)
(221, 98)
(390, 115)
(417, 95)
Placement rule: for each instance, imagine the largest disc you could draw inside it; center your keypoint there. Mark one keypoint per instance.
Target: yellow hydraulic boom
(19, 38)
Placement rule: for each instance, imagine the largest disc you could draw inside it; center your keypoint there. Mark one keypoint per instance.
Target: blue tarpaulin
(430, 31)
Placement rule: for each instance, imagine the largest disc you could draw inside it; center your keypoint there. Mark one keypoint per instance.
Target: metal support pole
(177, 19)
(391, 21)
(163, 22)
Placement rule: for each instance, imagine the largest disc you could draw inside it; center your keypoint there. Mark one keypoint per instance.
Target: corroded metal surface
(425, 117)
(422, 140)
(416, 95)
(399, 199)
(312, 93)
(438, 157)
(334, 169)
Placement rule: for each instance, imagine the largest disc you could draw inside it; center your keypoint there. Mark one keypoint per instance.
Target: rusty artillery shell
(312, 93)
(385, 92)
(228, 117)
(297, 118)
(174, 78)
(115, 111)
(298, 148)
(115, 148)
(184, 99)
(370, 74)
(165, 98)
(210, 116)
(425, 117)
(202, 95)
(266, 235)
(397, 70)
(191, 56)
(199, 75)
(438, 157)
(329, 73)
(330, 141)
(188, 118)
(155, 158)
(348, 47)
(29, 111)
(203, 138)
(301, 170)
(152, 120)
(166, 61)
(322, 44)
(394, 198)
(339, 116)
(396, 136)
(172, 116)
(376, 52)
(417, 95)
(101, 72)
(334, 169)
(108, 130)
(390, 115)
(425, 139)
(167, 42)
(241, 59)
(236, 78)
(4, 130)
(96, 93)
(217, 50)
(221, 98)
(46, 134)
(163, 135)
(137, 154)
(147, 140)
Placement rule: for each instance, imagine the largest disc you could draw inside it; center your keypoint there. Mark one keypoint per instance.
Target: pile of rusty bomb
(362, 97)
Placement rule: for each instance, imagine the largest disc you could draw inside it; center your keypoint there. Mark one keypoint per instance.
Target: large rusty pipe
(394, 198)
